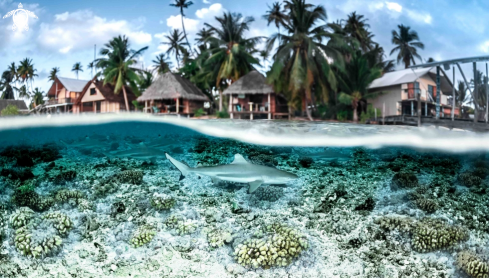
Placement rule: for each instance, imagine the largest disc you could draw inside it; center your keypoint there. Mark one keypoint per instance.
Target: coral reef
(129, 176)
(172, 221)
(142, 236)
(162, 202)
(269, 193)
(65, 176)
(280, 248)
(218, 237)
(472, 264)
(428, 205)
(404, 180)
(66, 195)
(186, 227)
(469, 179)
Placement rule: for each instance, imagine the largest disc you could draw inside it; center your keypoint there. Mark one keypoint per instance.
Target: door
(97, 104)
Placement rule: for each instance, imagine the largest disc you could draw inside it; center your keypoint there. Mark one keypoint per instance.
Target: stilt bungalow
(62, 94)
(251, 97)
(99, 98)
(172, 94)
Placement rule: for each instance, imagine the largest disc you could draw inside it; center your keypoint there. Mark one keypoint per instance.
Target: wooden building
(62, 94)
(252, 97)
(99, 98)
(170, 93)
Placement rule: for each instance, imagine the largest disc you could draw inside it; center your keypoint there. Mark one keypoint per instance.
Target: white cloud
(213, 10)
(419, 16)
(394, 6)
(82, 29)
(175, 22)
(206, 1)
(484, 47)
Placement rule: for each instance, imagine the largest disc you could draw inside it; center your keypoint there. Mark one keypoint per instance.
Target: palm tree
(276, 15)
(6, 88)
(203, 35)
(354, 81)
(37, 97)
(408, 43)
(77, 67)
(301, 66)
(161, 64)
(91, 66)
(183, 4)
(53, 74)
(175, 44)
(231, 53)
(462, 96)
(356, 27)
(117, 66)
(26, 72)
(23, 92)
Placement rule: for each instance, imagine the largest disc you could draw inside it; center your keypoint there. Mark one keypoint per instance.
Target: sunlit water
(95, 196)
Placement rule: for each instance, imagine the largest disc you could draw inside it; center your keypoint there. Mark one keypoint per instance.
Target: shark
(239, 170)
(87, 142)
(141, 152)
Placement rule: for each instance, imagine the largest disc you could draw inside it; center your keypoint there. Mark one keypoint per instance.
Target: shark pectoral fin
(215, 180)
(254, 185)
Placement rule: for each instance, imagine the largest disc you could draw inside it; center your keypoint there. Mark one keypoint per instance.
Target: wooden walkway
(465, 124)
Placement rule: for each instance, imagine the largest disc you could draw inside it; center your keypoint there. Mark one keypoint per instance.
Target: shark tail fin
(184, 169)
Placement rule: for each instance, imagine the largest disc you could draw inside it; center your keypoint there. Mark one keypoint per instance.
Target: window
(431, 91)
(93, 92)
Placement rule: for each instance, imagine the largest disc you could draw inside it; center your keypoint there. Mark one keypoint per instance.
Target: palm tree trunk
(125, 98)
(220, 100)
(185, 33)
(308, 111)
(355, 114)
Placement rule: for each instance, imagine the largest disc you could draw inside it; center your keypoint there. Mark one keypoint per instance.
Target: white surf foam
(284, 133)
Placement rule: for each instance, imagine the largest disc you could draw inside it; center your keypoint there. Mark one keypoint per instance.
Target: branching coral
(428, 205)
(129, 176)
(473, 265)
(279, 249)
(64, 177)
(404, 180)
(172, 221)
(428, 234)
(217, 237)
(163, 202)
(142, 236)
(469, 179)
(65, 195)
(39, 237)
(186, 227)
(269, 193)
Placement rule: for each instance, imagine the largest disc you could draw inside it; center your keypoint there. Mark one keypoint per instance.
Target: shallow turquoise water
(414, 206)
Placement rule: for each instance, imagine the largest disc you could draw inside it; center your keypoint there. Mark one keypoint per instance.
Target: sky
(66, 31)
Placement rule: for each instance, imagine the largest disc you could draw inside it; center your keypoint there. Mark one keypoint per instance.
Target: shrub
(370, 114)
(199, 112)
(342, 115)
(10, 110)
(222, 114)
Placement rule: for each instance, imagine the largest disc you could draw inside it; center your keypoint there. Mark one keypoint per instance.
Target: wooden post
(269, 108)
(178, 105)
(231, 106)
(475, 94)
(453, 95)
(220, 100)
(383, 114)
(145, 106)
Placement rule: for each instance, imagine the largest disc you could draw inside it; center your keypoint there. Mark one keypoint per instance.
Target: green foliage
(370, 114)
(138, 105)
(342, 115)
(10, 110)
(28, 187)
(407, 44)
(222, 114)
(199, 112)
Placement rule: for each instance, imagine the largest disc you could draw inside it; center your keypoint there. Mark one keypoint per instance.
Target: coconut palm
(301, 67)
(77, 67)
(356, 26)
(231, 53)
(26, 72)
(276, 15)
(462, 96)
(203, 35)
(37, 97)
(183, 4)
(161, 64)
(354, 81)
(91, 66)
(117, 65)
(23, 92)
(175, 43)
(407, 44)
(6, 88)
(53, 74)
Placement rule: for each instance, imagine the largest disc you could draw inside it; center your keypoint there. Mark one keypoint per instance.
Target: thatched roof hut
(251, 84)
(172, 86)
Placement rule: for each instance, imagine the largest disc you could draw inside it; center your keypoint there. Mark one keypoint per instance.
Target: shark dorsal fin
(239, 159)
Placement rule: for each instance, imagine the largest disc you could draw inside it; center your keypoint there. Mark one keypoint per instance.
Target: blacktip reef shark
(141, 152)
(240, 171)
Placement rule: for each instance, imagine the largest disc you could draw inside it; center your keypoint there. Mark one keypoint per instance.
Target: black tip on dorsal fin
(181, 177)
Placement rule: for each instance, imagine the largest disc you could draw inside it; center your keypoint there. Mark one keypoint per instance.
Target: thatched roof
(170, 86)
(19, 103)
(251, 84)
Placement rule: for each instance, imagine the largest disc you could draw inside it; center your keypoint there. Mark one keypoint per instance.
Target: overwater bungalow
(251, 97)
(99, 98)
(170, 93)
(62, 94)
